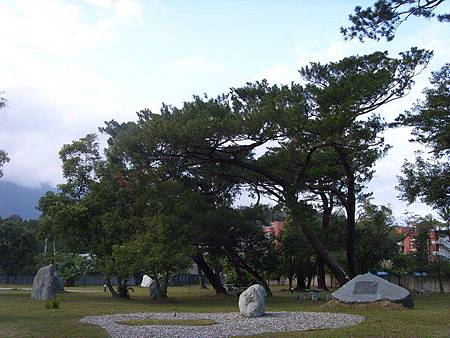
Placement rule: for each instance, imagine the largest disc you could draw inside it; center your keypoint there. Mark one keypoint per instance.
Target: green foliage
(71, 267)
(81, 163)
(93, 211)
(430, 118)
(3, 159)
(401, 264)
(376, 237)
(52, 304)
(19, 245)
(423, 256)
(296, 255)
(244, 279)
(428, 179)
(383, 19)
(3, 155)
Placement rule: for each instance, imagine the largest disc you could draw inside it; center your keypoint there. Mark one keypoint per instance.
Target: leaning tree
(266, 136)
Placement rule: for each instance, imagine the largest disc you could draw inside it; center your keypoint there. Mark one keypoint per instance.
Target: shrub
(52, 304)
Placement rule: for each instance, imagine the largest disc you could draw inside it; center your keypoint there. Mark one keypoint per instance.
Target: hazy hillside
(19, 200)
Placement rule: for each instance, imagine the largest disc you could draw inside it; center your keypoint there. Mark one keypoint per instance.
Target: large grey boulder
(251, 301)
(46, 283)
(369, 288)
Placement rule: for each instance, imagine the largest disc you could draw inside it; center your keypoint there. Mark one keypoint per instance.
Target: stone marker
(251, 301)
(46, 283)
(370, 288)
(146, 281)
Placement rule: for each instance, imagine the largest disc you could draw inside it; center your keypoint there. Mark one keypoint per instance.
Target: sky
(68, 66)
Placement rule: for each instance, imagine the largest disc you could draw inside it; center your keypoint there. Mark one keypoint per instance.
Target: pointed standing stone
(46, 283)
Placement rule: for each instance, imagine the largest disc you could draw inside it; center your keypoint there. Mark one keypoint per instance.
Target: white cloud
(54, 96)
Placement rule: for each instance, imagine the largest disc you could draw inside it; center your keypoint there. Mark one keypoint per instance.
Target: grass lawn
(22, 317)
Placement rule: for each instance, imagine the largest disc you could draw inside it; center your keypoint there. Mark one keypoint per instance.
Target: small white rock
(251, 301)
(146, 281)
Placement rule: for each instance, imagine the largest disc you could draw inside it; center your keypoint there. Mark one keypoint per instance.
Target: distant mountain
(18, 200)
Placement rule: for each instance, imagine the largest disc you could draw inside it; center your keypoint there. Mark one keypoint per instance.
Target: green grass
(178, 322)
(22, 317)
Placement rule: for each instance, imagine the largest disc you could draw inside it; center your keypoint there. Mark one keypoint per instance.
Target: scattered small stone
(228, 324)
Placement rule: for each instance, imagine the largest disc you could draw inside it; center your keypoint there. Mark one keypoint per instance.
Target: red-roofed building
(436, 245)
(275, 228)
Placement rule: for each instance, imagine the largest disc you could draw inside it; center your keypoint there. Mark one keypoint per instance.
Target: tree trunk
(232, 256)
(320, 249)
(350, 208)
(122, 289)
(209, 273)
(216, 267)
(321, 281)
(441, 286)
(109, 285)
(300, 281)
(351, 225)
(239, 274)
(327, 206)
(290, 282)
(165, 285)
(201, 279)
(308, 285)
(162, 289)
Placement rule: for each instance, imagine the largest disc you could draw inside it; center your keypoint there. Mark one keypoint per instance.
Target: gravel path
(228, 324)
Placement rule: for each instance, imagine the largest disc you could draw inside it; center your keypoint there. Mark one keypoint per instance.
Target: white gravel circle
(228, 324)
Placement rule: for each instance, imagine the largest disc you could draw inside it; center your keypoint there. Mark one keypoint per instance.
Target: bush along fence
(179, 279)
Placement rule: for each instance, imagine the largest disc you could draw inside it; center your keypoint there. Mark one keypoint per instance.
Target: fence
(179, 279)
(419, 283)
(427, 284)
